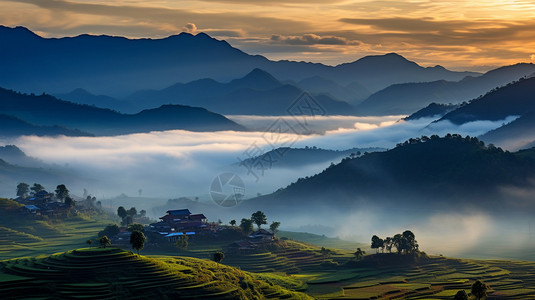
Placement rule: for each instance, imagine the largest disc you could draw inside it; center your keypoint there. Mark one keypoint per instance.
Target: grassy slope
(322, 241)
(110, 273)
(26, 236)
(438, 278)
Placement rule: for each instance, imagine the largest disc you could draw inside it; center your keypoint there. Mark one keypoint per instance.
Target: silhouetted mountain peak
(204, 36)
(18, 32)
(257, 79)
(392, 58)
(437, 67)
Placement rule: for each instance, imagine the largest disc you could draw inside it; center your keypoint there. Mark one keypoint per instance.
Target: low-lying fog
(173, 164)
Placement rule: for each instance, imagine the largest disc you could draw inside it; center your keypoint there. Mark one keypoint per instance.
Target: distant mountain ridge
(407, 98)
(421, 174)
(11, 126)
(13, 155)
(286, 157)
(257, 93)
(514, 99)
(45, 110)
(82, 96)
(433, 110)
(119, 66)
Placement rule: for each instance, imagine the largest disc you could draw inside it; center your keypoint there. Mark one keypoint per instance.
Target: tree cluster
(258, 218)
(127, 216)
(404, 243)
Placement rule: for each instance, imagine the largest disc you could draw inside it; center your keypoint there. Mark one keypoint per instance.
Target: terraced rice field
(439, 278)
(110, 273)
(39, 237)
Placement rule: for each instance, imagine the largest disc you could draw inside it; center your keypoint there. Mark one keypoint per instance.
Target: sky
(460, 35)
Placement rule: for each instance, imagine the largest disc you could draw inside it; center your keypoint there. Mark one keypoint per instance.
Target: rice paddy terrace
(438, 278)
(21, 235)
(109, 273)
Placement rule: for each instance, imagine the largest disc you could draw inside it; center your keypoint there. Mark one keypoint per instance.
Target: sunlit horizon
(459, 35)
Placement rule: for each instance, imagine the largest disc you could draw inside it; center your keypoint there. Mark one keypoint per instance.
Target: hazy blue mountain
(433, 110)
(82, 96)
(519, 134)
(257, 93)
(197, 92)
(286, 157)
(11, 175)
(120, 66)
(11, 126)
(514, 99)
(427, 174)
(351, 93)
(377, 72)
(45, 110)
(13, 155)
(409, 97)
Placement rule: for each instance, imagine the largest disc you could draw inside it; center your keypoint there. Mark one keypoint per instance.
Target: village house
(180, 222)
(261, 236)
(31, 209)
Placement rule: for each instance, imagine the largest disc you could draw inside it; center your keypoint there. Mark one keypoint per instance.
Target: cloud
(189, 28)
(225, 33)
(168, 18)
(312, 39)
(271, 2)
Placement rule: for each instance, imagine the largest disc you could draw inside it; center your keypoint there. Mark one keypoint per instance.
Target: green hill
(111, 273)
(453, 171)
(24, 235)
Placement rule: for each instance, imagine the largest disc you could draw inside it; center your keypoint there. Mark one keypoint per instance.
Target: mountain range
(46, 112)
(117, 66)
(430, 174)
(514, 99)
(13, 155)
(407, 98)
(11, 126)
(285, 157)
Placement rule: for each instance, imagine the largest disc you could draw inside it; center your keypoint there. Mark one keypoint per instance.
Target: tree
(127, 220)
(274, 227)
(259, 218)
(110, 230)
(461, 295)
(137, 239)
(411, 244)
(121, 212)
(132, 212)
(182, 242)
(218, 256)
(142, 213)
(104, 241)
(62, 192)
(479, 290)
(388, 244)
(246, 226)
(36, 188)
(359, 253)
(397, 241)
(23, 189)
(232, 223)
(136, 226)
(69, 202)
(377, 243)
(89, 242)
